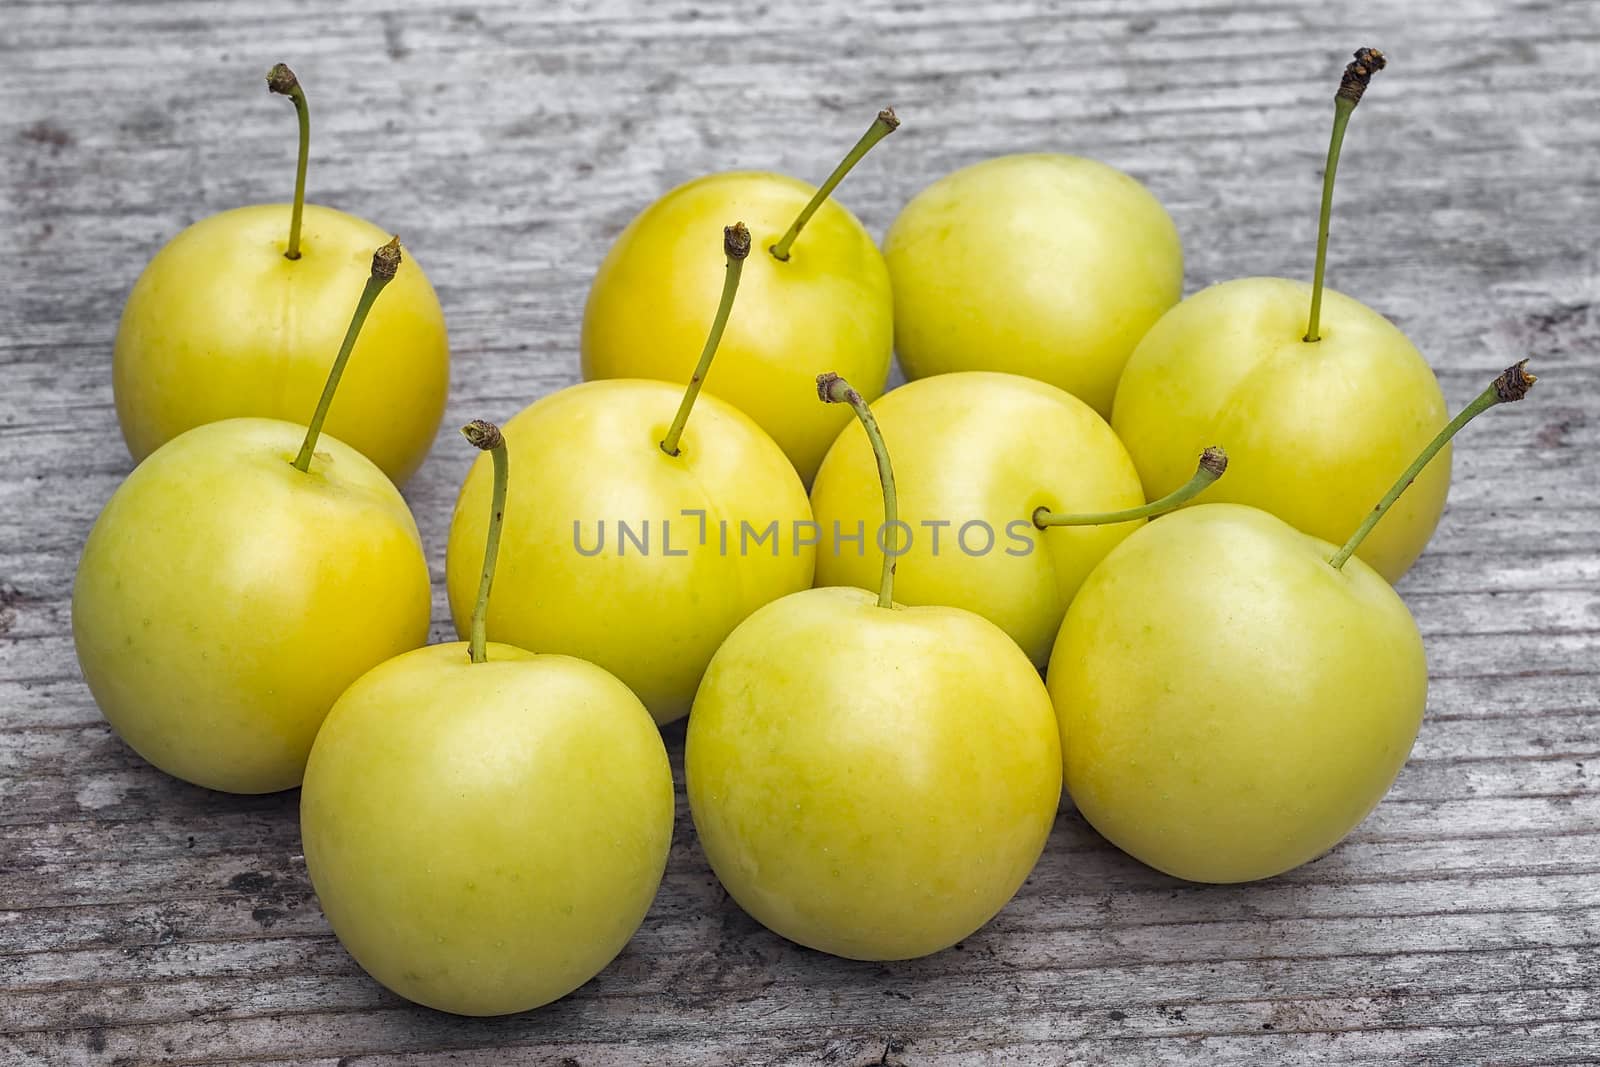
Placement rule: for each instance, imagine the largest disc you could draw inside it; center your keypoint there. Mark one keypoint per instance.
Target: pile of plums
(851, 595)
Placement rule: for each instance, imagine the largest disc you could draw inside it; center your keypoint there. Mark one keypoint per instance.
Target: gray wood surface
(142, 920)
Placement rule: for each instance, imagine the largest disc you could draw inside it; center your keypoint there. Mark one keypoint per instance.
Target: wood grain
(142, 920)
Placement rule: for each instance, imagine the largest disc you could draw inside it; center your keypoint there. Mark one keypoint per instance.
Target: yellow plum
(486, 828)
(236, 316)
(238, 581)
(977, 453)
(869, 779)
(1049, 266)
(807, 305)
(1234, 695)
(641, 538)
(1317, 414)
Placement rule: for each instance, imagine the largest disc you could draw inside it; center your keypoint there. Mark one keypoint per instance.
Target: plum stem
(1512, 385)
(385, 262)
(882, 126)
(282, 80)
(835, 390)
(1213, 461)
(486, 436)
(736, 245)
(1357, 74)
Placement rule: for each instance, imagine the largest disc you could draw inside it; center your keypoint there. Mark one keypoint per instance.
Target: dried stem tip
(889, 119)
(281, 80)
(482, 435)
(1215, 460)
(386, 260)
(832, 389)
(736, 240)
(1514, 382)
(1368, 61)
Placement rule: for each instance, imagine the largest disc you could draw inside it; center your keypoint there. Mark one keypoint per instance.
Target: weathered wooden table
(142, 920)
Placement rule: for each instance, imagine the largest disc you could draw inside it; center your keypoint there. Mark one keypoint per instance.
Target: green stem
(882, 126)
(487, 437)
(1353, 84)
(736, 245)
(385, 262)
(835, 390)
(1513, 384)
(1213, 461)
(282, 80)
(1342, 110)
